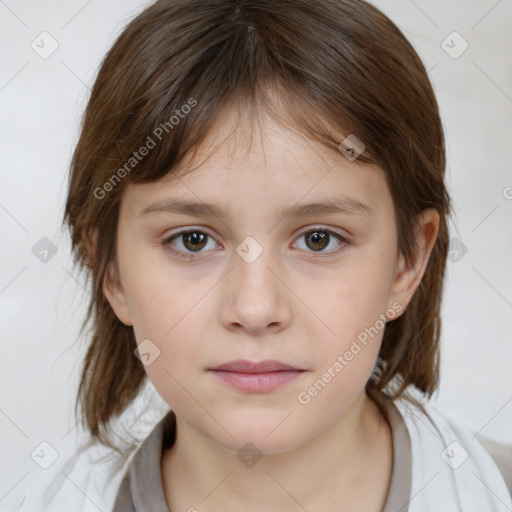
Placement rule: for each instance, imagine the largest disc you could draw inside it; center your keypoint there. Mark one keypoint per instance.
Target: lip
(256, 377)
(245, 366)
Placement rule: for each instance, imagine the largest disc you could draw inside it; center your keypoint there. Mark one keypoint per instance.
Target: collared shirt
(142, 491)
(439, 465)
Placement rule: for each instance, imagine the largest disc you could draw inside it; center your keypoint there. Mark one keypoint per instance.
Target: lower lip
(257, 382)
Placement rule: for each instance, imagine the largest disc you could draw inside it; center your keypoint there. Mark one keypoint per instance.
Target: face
(258, 276)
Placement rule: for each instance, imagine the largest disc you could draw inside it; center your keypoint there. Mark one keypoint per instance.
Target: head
(240, 108)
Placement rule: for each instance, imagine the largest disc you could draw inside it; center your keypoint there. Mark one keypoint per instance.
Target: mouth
(256, 377)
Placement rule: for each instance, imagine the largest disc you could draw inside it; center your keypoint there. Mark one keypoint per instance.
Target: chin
(267, 432)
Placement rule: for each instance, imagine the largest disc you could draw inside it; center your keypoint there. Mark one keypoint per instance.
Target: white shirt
(451, 471)
(446, 470)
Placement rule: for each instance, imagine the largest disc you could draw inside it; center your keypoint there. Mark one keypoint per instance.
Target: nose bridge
(257, 296)
(252, 262)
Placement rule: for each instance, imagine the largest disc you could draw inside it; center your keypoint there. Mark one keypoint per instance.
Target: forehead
(262, 164)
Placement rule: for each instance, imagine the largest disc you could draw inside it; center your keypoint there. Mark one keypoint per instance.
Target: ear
(408, 277)
(90, 240)
(112, 288)
(114, 293)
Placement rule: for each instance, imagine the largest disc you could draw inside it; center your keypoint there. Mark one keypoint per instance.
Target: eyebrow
(342, 205)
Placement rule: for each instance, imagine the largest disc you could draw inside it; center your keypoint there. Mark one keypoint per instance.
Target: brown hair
(336, 67)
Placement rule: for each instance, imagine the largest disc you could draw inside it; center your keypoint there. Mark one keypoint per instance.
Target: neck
(347, 467)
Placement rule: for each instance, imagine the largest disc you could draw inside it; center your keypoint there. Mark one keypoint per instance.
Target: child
(258, 194)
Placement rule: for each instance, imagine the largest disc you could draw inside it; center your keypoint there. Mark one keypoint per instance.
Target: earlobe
(408, 275)
(115, 295)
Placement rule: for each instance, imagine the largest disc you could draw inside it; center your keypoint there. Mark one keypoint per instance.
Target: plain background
(42, 304)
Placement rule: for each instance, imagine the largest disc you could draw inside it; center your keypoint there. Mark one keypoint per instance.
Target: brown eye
(317, 240)
(320, 240)
(194, 240)
(187, 243)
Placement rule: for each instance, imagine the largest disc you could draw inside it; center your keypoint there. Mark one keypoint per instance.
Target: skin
(297, 302)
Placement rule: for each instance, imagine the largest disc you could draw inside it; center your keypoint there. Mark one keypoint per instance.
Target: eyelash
(166, 243)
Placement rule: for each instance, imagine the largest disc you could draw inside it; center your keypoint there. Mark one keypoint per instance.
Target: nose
(255, 297)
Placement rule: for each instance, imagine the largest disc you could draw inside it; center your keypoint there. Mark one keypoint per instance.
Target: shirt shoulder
(141, 488)
(451, 471)
(84, 481)
(86, 476)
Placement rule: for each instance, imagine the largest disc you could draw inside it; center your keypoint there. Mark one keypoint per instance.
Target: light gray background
(42, 304)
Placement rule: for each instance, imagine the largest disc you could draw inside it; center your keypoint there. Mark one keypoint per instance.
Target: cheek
(352, 310)
(172, 326)
(353, 302)
(167, 311)
(155, 299)
(345, 355)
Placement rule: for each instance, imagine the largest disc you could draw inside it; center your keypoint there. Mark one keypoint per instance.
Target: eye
(189, 242)
(186, 243)
(318, 239)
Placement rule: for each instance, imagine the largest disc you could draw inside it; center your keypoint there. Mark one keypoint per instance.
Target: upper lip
(244, 366)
